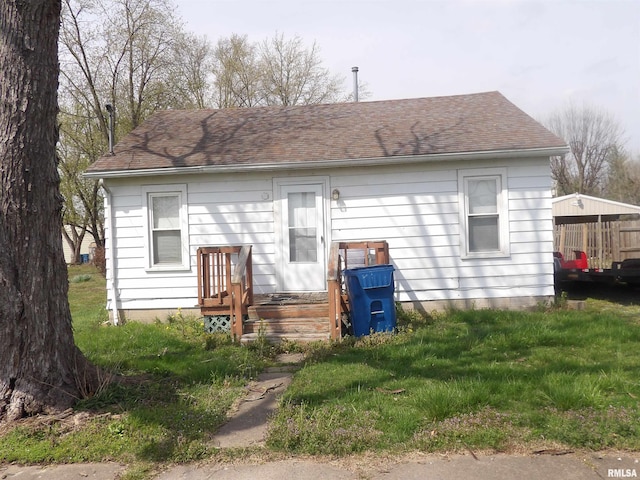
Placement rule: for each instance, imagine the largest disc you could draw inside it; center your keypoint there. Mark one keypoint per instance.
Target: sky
(540, 54)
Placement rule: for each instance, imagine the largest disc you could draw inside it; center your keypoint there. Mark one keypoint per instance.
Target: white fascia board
(349, 162)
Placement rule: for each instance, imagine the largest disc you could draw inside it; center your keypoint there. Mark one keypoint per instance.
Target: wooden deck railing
(225, 283)
(225, 280)
(362, 254)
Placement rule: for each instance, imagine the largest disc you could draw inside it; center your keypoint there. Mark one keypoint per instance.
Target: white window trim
(181, 191)
(500, 174)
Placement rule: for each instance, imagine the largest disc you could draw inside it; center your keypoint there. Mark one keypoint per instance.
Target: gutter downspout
(111, 283)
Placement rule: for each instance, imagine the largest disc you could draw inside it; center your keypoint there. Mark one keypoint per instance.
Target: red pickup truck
(577, 270)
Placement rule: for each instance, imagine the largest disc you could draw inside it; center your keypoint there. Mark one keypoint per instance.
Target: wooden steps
(294, 322)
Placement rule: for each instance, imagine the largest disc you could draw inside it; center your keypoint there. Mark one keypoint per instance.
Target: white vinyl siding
(415, 208)
(418, 211)
(236, 209)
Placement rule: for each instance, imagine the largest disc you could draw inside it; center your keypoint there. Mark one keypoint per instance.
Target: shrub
(100, 261)
(80, 278)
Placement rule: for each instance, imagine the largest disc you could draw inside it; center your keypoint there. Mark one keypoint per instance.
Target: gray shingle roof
(481, 122)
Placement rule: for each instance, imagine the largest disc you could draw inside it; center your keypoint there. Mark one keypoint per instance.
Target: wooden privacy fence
(603, 242)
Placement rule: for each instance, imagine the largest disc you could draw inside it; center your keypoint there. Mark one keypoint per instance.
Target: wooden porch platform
(291, 298)
(225, 288)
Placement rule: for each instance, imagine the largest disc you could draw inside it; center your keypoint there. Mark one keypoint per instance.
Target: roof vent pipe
(112, 114)
(355, 83)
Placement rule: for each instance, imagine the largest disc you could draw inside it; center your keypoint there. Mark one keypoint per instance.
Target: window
(302, 227)
(167, 227)
(484, 213)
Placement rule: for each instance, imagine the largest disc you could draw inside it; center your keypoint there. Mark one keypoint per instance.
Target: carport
(606, 230)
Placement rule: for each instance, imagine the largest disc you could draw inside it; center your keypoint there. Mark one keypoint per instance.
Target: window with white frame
(484, 212)
(166, 226)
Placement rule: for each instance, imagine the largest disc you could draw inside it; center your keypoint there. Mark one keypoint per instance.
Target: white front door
(301, 247)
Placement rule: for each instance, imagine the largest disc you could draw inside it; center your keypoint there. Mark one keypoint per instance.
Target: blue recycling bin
(370, 292)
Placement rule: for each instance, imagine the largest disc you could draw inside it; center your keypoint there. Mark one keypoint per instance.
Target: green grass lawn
(480, 380)
(176, 385)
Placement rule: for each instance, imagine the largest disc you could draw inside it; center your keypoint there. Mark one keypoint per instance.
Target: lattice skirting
(217, 323)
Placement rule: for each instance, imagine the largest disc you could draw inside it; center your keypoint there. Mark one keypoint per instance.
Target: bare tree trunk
(41, 370)
(77, 244)
(74, 241)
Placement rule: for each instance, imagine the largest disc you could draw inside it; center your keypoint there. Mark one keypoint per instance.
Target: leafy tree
(623, 182)
(136, 56)
(594, 138)
(190, 71)
(41, 370)
(277, 71)
(293, 75)
(133, 55)
(80, 143)
(237, 73)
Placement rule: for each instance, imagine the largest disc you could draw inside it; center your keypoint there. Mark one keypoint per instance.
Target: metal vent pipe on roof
(355, 83)
(112, 113)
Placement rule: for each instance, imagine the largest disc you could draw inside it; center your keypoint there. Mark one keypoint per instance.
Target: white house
(459, 187)
(85, 247)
